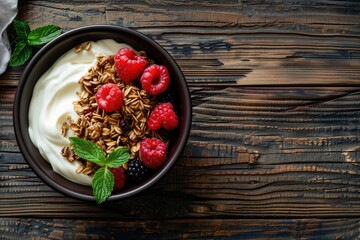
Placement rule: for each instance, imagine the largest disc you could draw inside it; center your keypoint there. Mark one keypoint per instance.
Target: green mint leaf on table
(22, 29)
(103, 180)
(26, 39)
(88, 150)
(21, 54)
(102, 184)
(42, 35)
(117, 157)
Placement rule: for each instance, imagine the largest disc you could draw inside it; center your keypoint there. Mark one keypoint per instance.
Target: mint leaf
(22, 29)
(88, 150)
(117, 157)
(42, 35)
(102, 184)
(103, 179)
(21, 54)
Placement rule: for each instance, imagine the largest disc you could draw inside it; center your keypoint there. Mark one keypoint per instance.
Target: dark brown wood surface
(274, 147)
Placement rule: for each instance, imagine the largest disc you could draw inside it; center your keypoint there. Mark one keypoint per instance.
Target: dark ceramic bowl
(47, 56)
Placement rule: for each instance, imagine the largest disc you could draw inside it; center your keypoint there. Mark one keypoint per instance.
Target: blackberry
(166, 97)
(125, 124)
(137, 84)
(169, 96)
(166, 135)
(136, 171)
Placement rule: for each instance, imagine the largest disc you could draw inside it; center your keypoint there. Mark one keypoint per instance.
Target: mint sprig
(117, 158)
(103, 180)
(21, 53)
(22, 29)
(42, 35)
(27, 39)
(88, 150)
(103, 184)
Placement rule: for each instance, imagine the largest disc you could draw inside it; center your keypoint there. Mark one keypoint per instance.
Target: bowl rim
(25, 151)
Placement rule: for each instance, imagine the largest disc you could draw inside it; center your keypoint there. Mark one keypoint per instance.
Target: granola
(104, 128)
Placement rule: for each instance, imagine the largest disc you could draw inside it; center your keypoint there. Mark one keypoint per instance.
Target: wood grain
(233, 42)
(252, 152)
(275, 87)
(26, 228)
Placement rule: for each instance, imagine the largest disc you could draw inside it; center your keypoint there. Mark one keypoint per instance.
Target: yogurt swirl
(51, 103)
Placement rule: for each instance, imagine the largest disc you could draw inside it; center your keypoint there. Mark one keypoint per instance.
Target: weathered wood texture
(232, 42)
(252, 152)
(276, 92)
(24, 228)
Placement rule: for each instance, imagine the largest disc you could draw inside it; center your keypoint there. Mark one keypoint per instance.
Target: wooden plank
(11, 77)
(252, 152)
(232, 42)
(302, 17)
(282, 150)
(7, 136)
(36, 228)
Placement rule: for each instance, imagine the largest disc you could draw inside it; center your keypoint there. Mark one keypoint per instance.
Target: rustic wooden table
(274, 146)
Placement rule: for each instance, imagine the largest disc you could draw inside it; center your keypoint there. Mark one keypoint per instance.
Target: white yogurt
(52, 101)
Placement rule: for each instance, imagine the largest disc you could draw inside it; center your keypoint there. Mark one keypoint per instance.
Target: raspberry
(119, 177)
(136, 171)
(152, 152)
(128, 64)
(164, 116)
(109, 97)
(155, 79)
